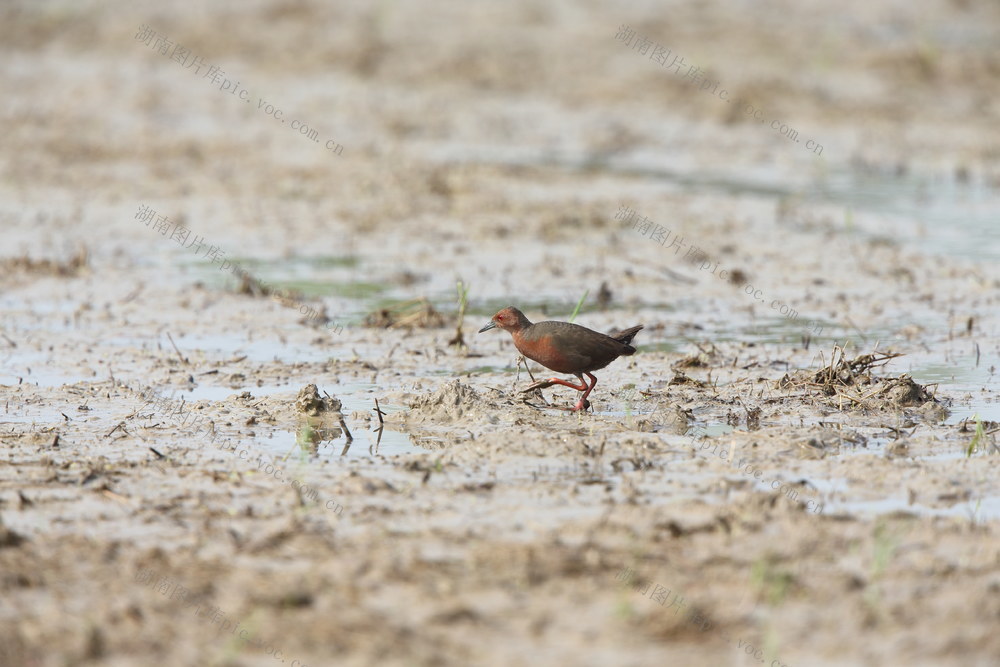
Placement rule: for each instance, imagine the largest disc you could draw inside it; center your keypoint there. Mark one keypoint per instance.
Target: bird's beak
(491, 325)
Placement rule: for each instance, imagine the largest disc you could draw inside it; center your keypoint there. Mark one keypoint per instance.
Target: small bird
(565, 348)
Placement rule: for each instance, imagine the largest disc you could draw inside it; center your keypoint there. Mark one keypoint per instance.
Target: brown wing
(569, 348)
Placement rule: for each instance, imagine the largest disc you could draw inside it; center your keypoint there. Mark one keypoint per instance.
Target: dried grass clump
(851, 380)
(415, 314)
(67, 269)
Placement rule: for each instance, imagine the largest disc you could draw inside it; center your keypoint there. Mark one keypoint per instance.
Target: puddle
(975, 510)
(312, 277)
(975, 387)
(358, 397)
(354, 398)
(366, 443)
(476, 370)
(296, 265)
(951, 217)
(44, 418)
(937, 212)
(712, 430)
(41, 376)
(261, 349)
(204, 392)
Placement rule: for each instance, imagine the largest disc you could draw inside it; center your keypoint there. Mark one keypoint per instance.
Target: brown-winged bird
(565, 348)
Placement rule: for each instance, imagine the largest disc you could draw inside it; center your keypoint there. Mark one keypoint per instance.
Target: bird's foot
(575, 408)
(583, 404)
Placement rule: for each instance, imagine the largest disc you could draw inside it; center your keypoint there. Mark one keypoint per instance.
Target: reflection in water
(381, 426)
(313, 431)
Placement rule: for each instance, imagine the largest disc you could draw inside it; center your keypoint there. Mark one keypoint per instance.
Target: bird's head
(509, 319)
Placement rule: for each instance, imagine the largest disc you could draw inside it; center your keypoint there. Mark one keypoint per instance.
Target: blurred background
(369, 158)
(477, 122)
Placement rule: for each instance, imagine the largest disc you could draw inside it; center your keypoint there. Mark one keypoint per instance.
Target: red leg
(542, 384)
(583, 403)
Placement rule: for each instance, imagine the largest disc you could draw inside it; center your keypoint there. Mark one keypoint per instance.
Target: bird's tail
(625, 336)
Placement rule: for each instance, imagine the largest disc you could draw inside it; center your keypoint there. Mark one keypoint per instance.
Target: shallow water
(977, 389)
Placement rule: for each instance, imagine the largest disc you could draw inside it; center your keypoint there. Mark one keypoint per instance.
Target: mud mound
(416, 314)
(453, 402)
(310, 403)
(70, 268)
(706, 357)
(849, 372)
(904, 392)
(849, 383)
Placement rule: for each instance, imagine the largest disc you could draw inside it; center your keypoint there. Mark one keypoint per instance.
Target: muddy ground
(784, 474)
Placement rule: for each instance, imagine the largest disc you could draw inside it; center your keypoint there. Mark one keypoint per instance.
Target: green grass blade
(579, 304)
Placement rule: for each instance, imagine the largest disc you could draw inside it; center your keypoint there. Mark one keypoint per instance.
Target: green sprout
(463, 301)
(771, 583)
(885, 547)
(980, 434)
(579, 304)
